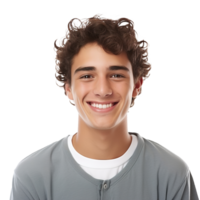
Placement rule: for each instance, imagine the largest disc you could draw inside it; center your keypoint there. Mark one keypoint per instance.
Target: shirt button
(105, 186)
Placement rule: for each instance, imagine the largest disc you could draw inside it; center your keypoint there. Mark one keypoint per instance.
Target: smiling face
(101, 78)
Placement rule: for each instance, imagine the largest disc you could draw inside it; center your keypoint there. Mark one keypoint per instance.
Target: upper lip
(105, 102)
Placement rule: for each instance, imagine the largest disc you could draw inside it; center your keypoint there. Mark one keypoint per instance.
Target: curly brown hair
(111, 36)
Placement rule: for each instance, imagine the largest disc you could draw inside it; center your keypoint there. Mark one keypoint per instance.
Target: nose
(102, 87)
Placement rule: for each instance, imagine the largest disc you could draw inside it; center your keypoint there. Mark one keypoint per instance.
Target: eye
(85, 77)
(118, 75)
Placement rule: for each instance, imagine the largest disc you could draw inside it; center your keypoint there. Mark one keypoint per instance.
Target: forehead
(93, 54)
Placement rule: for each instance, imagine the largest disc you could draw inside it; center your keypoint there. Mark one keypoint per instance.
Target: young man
(102, 66)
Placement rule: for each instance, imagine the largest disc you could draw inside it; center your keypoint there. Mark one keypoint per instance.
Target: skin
(102, 136)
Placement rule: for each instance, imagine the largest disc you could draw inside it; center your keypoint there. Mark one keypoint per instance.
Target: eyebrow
(91, 68)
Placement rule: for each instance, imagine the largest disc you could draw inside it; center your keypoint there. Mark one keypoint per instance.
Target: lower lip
(102, 110)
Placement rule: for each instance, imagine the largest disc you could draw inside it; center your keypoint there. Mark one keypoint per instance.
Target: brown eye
(119, 76)
(85, 77)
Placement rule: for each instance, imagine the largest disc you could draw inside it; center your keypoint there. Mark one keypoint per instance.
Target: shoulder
(39, 162)
(169, 166)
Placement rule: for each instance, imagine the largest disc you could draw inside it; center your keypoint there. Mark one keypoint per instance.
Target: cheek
(81, 91)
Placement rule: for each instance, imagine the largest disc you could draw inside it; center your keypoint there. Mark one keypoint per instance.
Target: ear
(68, 91)
(137, 87)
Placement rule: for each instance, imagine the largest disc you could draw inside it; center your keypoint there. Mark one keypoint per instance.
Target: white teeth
(102, 106)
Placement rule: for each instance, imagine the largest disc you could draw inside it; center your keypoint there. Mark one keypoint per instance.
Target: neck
(102, 144)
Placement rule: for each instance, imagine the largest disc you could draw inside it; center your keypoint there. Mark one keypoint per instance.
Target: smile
(102, 108)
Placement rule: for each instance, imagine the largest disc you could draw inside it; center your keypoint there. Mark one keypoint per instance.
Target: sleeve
(19, 191)
(187, 191)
